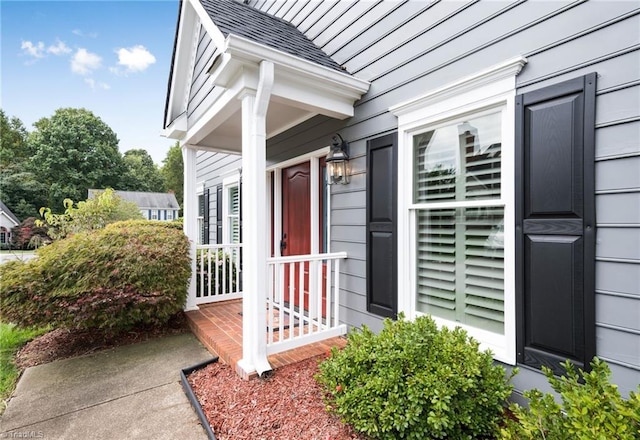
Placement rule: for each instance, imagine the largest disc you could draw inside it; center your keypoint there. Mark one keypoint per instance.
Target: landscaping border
(192, 397)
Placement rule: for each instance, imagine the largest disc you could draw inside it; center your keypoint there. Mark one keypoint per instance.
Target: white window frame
(199, 218)
(493, 88)
(227, 185)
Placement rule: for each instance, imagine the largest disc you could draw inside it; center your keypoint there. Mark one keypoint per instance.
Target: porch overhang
(301, 90)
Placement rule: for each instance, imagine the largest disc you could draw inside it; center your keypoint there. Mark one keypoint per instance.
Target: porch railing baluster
(309, 321)
(219, 276)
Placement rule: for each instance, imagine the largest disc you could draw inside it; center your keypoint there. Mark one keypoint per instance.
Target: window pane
(234, 200)
(458, 162)
(233, 217)
(460, 265)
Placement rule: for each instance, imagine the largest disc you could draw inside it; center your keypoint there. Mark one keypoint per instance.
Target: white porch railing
(303, 300)
(218, 272)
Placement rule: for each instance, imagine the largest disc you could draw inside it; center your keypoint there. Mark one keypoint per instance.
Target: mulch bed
(63, 343)
(286, 405)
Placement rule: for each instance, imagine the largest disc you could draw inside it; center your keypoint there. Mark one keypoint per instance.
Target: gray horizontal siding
(210, 171)
(409, 48)
(201, 94)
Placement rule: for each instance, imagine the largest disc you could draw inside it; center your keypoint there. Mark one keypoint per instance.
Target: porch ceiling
(228, 135)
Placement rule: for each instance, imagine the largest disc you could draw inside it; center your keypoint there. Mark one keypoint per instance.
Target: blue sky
(110, 57)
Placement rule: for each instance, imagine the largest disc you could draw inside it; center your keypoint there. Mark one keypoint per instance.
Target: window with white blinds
(233, 214)
(459, 221)
(201, 210)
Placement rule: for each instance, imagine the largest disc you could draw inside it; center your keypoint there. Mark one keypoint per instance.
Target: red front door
(296, 226)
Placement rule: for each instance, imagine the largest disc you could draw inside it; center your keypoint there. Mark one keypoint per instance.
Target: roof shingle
(236, 18)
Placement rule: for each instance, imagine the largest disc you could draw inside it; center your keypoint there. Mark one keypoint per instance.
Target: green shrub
(88, 215)
(128, 273)
(591, 409)
(414, 381)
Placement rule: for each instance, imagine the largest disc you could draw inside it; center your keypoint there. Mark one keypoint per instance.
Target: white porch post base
(255, 232)
(190, 216)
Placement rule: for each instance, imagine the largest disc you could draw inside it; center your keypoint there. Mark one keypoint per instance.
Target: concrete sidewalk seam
(93, 405)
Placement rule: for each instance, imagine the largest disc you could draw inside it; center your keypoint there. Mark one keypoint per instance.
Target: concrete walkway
(130, 392)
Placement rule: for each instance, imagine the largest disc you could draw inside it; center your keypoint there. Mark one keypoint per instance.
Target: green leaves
(414, 381)
(89, 215)
(75, 150)
(114, 278)
(172, 172)
(591, 409)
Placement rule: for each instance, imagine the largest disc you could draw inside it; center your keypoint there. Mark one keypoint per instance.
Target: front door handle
(283, 243)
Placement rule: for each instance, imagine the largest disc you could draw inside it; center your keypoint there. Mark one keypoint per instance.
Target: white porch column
(255, 226)
(190, 216)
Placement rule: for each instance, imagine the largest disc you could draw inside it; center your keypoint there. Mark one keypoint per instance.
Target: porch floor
(219, 327)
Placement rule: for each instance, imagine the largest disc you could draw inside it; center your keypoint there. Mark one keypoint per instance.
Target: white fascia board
(179, 82)
(216, 35)
(178, 127)
(8, 217)
(244, 49)
(506, 71)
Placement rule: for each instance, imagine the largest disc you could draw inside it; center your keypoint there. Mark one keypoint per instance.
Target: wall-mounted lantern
(338, 168)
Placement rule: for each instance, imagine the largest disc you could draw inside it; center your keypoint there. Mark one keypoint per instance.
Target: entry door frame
(274, 180)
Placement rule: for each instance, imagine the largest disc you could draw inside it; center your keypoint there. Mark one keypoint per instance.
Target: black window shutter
(219, 213)
(382, 249)
(555, 224)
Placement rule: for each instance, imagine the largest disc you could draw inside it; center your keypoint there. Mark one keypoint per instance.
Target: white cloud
(134, 59)
(96, 84)
(35, 50)
(59, 48)
(84, 62)
(80, 33)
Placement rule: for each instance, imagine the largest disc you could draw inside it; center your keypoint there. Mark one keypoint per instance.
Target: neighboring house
(153, 206)
(494, 163)
(8, 221)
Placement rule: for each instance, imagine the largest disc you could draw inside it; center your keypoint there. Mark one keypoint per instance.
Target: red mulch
(286, 405)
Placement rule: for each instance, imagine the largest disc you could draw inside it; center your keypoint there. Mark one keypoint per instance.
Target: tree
(73, 151)
(22, 192)
(29, 235)
(13, 142)
(91, 214)
(173, 172)
(142, 174)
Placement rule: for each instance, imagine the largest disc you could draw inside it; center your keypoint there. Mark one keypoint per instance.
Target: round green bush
(129, 273)
(413, 381)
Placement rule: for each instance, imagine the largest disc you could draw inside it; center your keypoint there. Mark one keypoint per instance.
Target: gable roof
(232, 17)
(6, 211)
(149, 200)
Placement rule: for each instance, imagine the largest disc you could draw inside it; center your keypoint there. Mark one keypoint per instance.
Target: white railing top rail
(219, 246)
(313, 257)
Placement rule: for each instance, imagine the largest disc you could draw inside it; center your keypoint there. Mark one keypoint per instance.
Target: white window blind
(459, 222)
(233, 214)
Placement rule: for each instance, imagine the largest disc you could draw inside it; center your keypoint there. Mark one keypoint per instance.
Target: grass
(11, 339)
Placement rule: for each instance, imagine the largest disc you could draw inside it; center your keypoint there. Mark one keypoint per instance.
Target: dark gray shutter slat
(382, 249)
(555, 218)
(219, 213)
